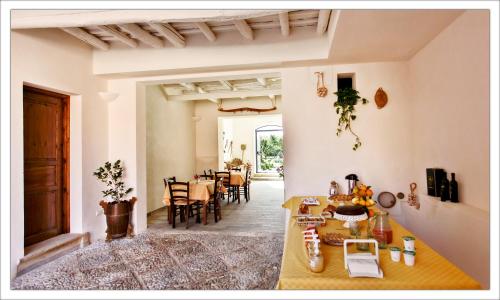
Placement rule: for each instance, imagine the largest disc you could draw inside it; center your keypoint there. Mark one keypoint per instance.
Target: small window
(345, 80)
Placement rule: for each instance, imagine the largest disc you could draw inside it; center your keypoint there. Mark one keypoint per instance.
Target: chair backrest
(226, 178)
(178, 191)
(210, 172)
(169, 179)
(237, 169)
(206, 176)
(248, 174)
(218, 189)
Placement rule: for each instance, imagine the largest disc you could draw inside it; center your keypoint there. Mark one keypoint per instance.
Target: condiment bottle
(316, 261)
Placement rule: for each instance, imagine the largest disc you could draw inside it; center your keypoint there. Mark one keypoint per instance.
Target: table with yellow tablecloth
(431, 270)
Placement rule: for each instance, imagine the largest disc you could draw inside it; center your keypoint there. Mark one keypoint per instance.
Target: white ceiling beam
(189, 85)
(244, 29)
(209, 34)
(119, 35)
(142, 35)
(284, 23)
(170, 35)
(228, 85)
(23, 19)
(323, 18)
(226, 94)
(171, 28)
(87, 37)
(262, 81)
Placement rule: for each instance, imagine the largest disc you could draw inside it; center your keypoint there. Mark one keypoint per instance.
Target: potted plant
(347, 98)
(116, 208)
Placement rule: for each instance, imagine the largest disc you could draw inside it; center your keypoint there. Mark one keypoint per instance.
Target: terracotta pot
(118, 218)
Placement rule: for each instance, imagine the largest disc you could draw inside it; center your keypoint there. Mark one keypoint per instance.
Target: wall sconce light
(108, 96)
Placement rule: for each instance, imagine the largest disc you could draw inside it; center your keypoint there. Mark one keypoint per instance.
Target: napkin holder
(362, 264)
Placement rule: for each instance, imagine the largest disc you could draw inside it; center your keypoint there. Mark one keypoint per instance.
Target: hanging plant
(347, 98)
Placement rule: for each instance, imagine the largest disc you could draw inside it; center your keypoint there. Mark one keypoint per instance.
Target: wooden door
(46, 177)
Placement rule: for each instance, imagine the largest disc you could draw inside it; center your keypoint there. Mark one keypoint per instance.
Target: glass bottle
(445, 188)
(453, 189)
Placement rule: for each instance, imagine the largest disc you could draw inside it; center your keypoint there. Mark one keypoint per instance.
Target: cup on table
(409, 243)
(409, 257)
(395, 254)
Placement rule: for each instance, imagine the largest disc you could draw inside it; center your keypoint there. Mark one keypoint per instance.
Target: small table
(431, 270)
(199, 191)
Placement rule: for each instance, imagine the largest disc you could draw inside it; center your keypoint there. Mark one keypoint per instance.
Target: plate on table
(310, 201)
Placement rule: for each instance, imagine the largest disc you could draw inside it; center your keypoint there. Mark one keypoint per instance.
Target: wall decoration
(347, 98)
(251, 109)
(321, 90)
(412, 197)
(380, 98)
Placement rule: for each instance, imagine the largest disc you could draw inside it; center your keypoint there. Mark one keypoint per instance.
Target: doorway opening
(269, 149)
(46, 117)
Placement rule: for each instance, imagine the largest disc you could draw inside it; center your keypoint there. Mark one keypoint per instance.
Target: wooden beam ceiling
(323, 18)
(207, 32)
(142, 35)
(284, 23)
(154, 34)
(118, 35)
(86, 37)
(244, 29)
(170, 34)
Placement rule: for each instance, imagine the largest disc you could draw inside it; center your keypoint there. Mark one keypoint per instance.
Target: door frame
(65, 99)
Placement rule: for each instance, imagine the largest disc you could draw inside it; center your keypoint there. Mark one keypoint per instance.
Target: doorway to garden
(269, 149)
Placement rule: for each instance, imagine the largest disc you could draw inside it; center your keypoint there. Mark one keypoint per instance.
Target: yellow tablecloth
(197, 191)
(431, 270)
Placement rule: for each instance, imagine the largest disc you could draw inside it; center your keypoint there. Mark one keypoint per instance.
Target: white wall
(170, 143)
(47, 59)
(450, 117)
(314, 155)
(243, 132)
(207, 128)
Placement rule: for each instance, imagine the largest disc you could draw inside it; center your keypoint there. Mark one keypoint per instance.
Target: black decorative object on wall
(434, 177)
(445, 188)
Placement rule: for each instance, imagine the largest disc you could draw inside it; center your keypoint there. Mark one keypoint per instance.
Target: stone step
(41, 253)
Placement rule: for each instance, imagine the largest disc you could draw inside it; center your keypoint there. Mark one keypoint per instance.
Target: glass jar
(380, 228)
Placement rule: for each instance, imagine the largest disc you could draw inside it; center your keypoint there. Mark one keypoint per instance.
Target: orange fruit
(371, 213)
(362, 193)
(369, 193)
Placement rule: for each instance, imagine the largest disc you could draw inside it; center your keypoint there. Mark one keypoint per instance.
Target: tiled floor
(263, 213)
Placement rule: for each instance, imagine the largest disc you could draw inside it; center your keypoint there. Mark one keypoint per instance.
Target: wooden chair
(236, 169)
(169, 179)
(206, 176)
(166, 180)
(179, 197)
(246, 186)
(226, 182)
(215, 200)
(235, 189)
